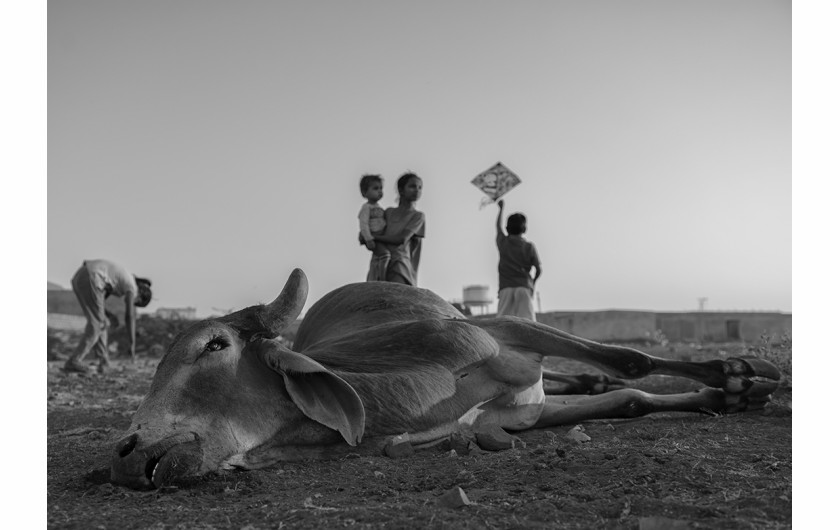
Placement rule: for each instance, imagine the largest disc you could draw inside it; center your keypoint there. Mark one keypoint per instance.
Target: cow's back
(358, 306)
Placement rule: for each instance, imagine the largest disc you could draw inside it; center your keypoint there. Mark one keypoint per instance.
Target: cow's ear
(319, 393)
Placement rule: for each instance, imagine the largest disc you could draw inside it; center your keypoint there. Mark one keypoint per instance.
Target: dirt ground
(667, 471)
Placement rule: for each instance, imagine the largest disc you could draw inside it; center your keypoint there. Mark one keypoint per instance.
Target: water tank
(477, 295)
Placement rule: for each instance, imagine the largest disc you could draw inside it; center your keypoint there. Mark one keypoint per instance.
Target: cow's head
(224, 388)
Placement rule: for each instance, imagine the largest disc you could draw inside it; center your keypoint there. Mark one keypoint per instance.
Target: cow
(376, 361)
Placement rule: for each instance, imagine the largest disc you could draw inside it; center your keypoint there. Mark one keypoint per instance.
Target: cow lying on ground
(375, 360)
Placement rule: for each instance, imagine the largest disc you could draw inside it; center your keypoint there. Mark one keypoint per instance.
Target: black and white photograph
(375, 264)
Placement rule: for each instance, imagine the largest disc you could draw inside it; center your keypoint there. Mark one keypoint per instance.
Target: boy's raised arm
(499, 231)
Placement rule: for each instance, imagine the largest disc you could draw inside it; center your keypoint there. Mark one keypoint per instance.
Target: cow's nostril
(128, 446)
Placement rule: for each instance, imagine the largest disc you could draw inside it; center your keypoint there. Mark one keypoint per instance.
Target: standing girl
(405, 226)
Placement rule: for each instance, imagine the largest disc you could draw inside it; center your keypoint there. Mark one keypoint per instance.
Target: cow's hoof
(399, 446)
(751, 376)
(745, 402)
(494, 438)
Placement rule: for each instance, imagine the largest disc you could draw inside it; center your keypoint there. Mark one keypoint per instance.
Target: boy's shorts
(517, 302)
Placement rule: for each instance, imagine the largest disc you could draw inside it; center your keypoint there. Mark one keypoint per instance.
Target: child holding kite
(516, 255)
(516, 259)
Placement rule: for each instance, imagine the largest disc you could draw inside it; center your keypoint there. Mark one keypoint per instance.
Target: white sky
(213, 146)
(698, 174)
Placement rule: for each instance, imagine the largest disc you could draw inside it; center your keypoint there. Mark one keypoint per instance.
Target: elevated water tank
(477, 296)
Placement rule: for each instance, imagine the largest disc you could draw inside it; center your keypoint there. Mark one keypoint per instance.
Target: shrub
(777, 350)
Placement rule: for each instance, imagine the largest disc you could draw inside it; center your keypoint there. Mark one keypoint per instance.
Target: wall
(65, 303)
(604, 325)
(723, 326)
(632, 326)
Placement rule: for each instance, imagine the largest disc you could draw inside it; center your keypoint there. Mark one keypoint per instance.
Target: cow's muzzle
(142, 466)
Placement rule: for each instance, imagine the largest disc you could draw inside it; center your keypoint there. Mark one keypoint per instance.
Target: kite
(495, 182)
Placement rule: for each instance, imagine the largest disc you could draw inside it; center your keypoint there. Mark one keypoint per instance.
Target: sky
(214, 146)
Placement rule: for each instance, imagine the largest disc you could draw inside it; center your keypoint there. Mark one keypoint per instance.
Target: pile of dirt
(152, 336)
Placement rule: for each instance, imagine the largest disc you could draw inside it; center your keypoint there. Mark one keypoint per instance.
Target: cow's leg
(735, 375)
(632, 403)
(555, 383)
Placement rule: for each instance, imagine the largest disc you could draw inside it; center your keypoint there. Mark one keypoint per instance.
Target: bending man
(95, 281)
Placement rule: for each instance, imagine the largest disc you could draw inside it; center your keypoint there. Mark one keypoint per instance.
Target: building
(176, 313)
(698, 326)
(723, 326)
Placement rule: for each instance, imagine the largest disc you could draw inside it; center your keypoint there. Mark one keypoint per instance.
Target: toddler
(371, 223)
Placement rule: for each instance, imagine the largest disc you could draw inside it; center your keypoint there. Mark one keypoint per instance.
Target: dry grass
(702, 472)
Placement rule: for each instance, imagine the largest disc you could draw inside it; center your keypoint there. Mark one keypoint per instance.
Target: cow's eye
(216, 344)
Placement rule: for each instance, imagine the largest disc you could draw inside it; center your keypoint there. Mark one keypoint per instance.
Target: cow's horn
(280, 313)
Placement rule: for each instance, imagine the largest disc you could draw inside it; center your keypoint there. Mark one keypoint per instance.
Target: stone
(399, 447)
(576, 434)
(496, 439)
(454, 498)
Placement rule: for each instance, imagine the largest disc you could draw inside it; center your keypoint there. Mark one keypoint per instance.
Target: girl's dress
(405, 258)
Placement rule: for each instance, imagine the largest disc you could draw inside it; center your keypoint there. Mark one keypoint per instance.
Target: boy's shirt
(516, 257)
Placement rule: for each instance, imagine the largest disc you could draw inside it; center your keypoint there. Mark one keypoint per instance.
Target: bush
(777, 350)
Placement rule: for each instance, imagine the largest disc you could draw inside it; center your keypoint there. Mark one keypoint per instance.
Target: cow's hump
(359, 306)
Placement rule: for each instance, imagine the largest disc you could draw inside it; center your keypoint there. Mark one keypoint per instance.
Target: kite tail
(485, 201)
